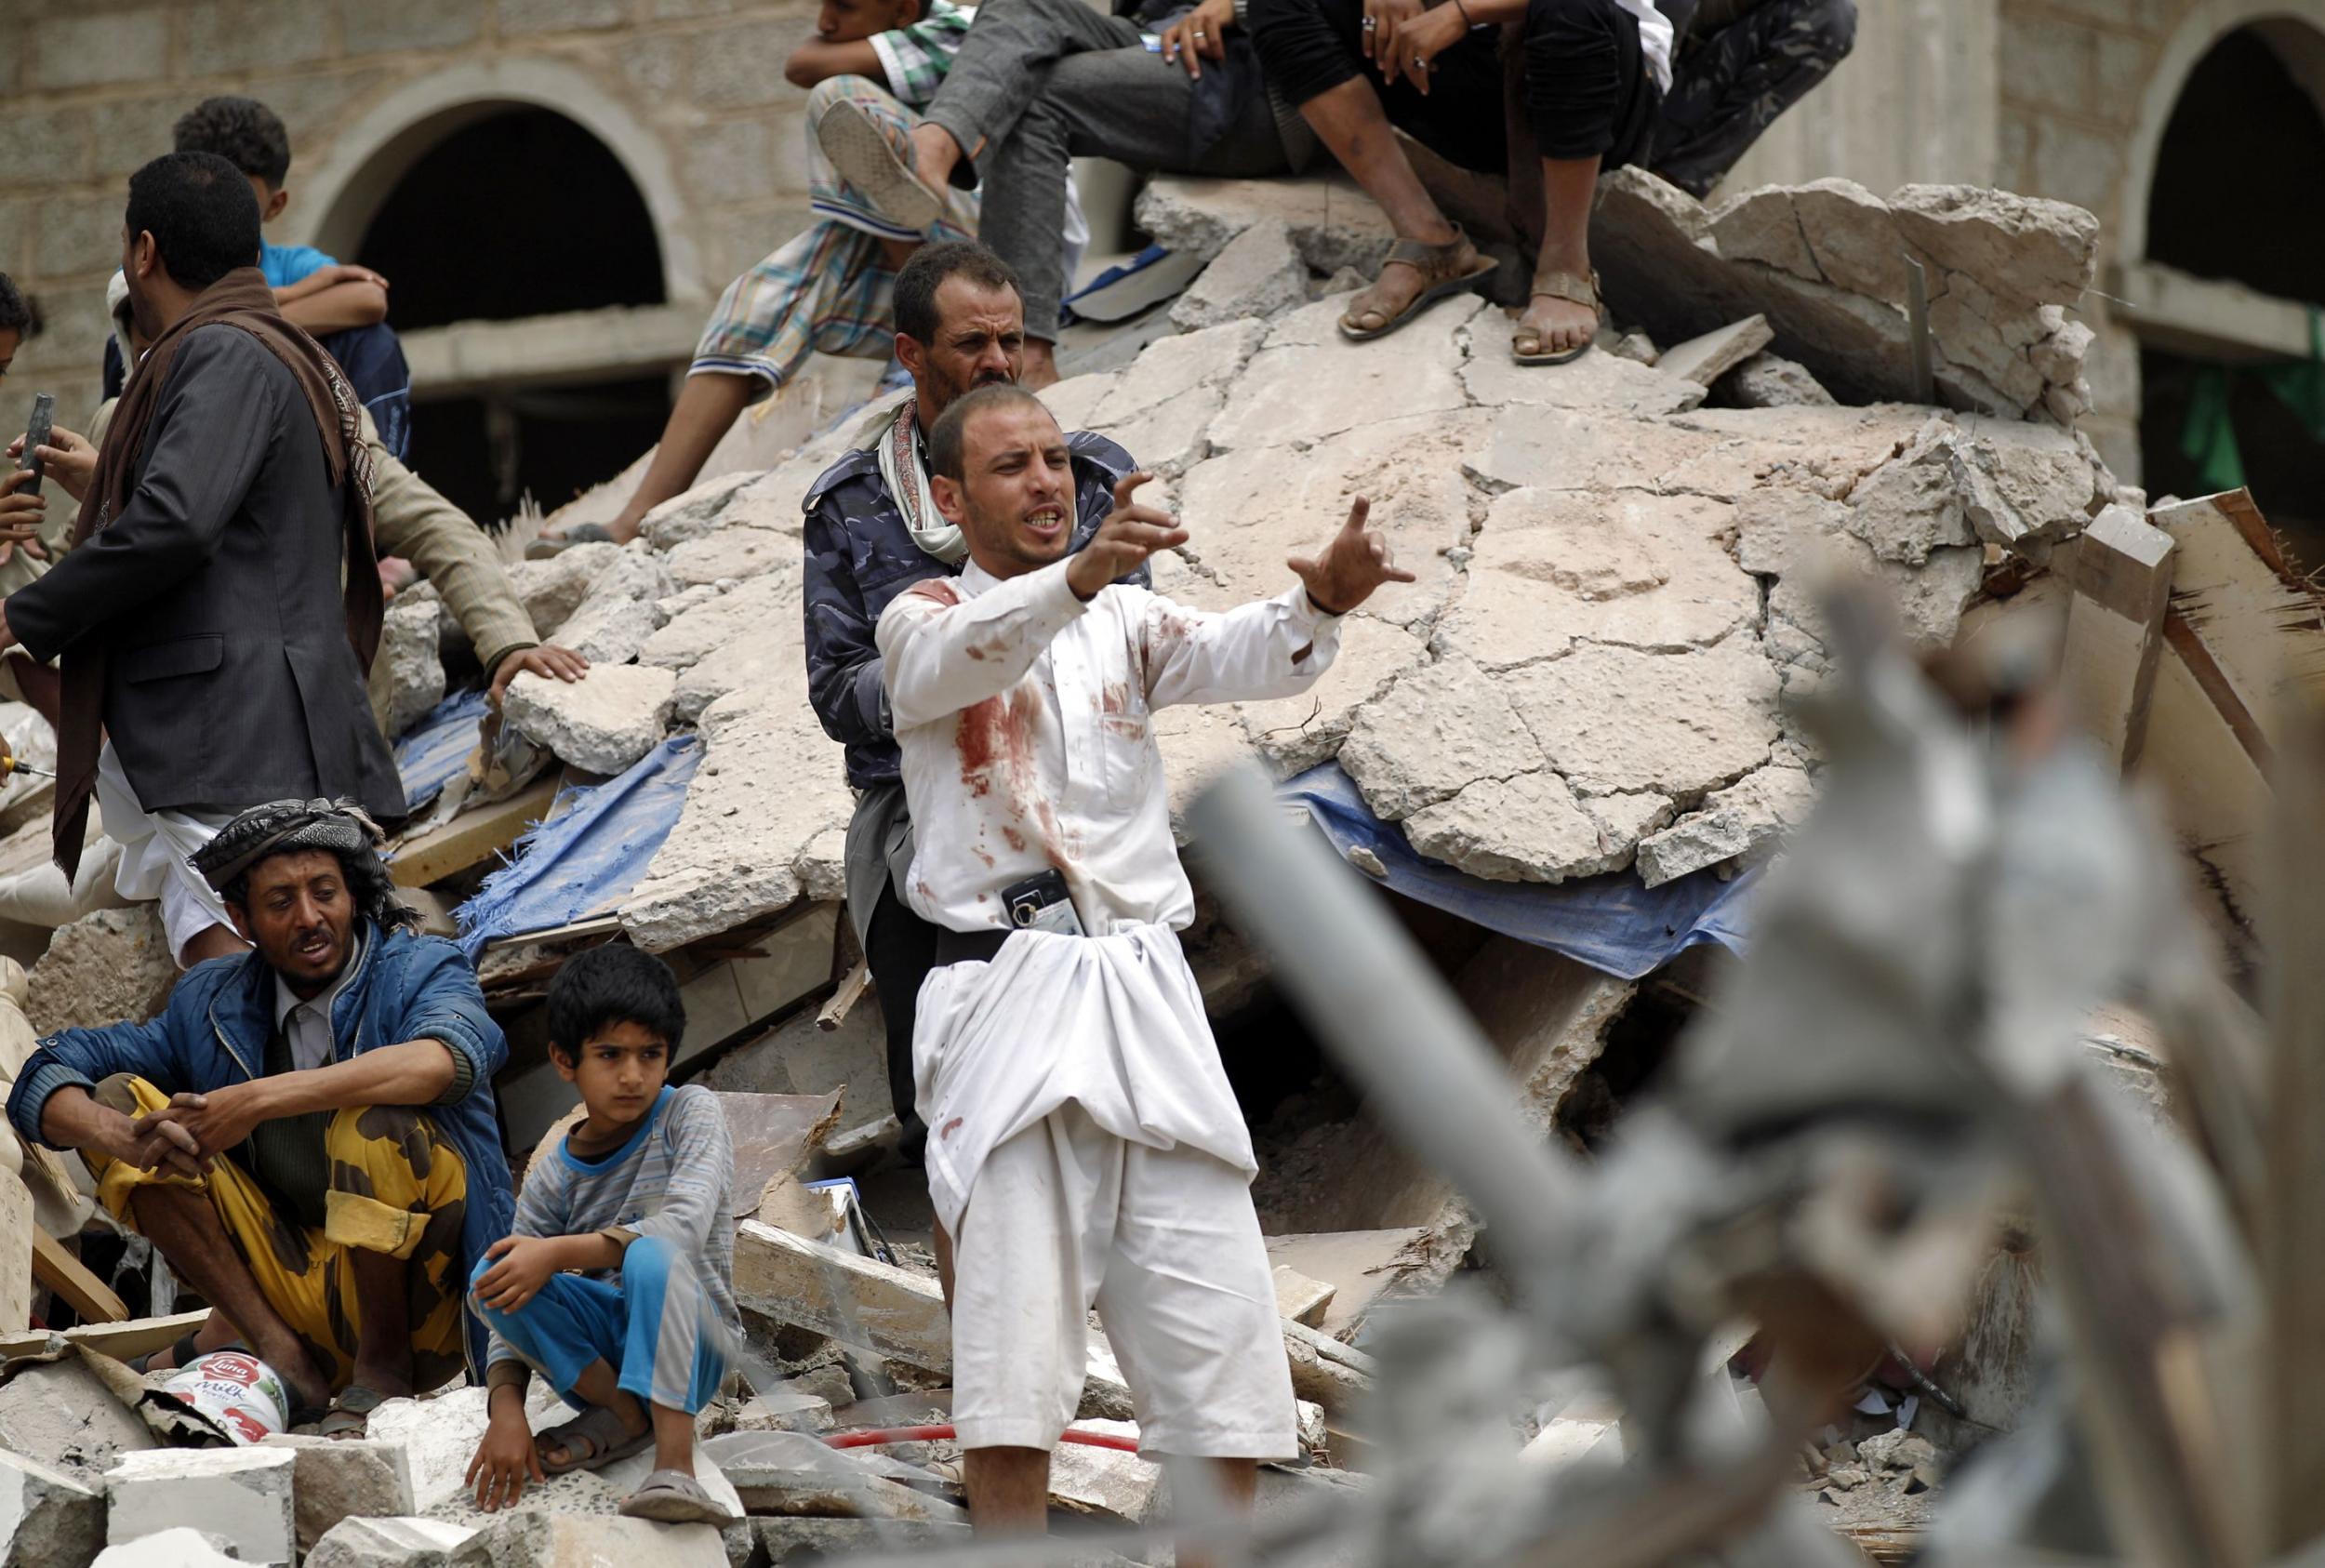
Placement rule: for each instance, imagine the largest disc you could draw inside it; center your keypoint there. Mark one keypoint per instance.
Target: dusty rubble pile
(1612, 599)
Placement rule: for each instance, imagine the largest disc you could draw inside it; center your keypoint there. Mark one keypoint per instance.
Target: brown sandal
(1575, 291)
(1444, 268)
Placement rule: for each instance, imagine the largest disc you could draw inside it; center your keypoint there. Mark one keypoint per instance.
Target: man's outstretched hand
(1356, 562)
(1129, 535)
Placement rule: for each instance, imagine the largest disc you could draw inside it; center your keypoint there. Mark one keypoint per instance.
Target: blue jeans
(656, 1328)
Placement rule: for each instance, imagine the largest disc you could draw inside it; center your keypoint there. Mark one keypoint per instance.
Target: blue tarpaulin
(1612, 922)
(592, 850)
(433, 750)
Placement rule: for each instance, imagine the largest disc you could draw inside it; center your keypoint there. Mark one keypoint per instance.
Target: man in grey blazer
(205, 595)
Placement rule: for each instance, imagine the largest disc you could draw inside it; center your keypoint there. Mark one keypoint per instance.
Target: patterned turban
(285, 827)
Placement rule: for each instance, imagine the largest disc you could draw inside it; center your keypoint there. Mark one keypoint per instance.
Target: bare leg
(383, 1340)
(214, 941)
(933, 154)
(673, 1438)
(707, 406)
(1234, 1485)
(893, 254)
(1349, 120)
(186, 1230)
(1008, 1490)
(1555, 325)
(600, 1386)
(1041, 365)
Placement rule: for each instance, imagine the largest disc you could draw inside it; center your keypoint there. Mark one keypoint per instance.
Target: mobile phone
(1042, 902)
(36, 437)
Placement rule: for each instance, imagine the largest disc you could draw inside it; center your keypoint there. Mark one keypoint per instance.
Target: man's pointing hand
(1129, 535)
(1356, 562)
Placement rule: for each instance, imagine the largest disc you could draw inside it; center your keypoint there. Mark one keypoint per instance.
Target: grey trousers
(1038, 82)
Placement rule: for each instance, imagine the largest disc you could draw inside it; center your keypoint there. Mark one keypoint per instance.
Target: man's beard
(950, 391)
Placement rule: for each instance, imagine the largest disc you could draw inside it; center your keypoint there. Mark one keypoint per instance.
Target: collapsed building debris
(1598, 680)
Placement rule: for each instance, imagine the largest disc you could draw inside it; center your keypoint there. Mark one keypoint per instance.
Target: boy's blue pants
(656, 1328)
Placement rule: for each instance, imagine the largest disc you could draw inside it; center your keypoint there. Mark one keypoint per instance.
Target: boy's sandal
(859, 149)
(594, 1439)
(550, 545)
(349, 1414)
(1444, 268)
(1574, 291)
(674, 1497)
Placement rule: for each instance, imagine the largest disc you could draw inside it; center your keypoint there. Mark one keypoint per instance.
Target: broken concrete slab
(62, 1412)
(1744, 821)
(720, 619)
(1294, 391)
(553, 589)
(858, 1301)
(784, 1411)
(2024, 246)
(1359, 1266)
(408, 663)
(399, 1543)
(1300, 1298)
(2121, 571)
(603, 723)
(1604, 383)
(1616, 719)
(549, 1540)
(100, 969)
(48, 1519)
(1552, 568)
(793, 1473)
(1255, 275)
(621, 609)
(1529, 827)
(1705, 359)
(692, 513)
(833, 1540)
(1171, 368)
(241, 1496)
(1331, 221)
(181, 1546)
(1294, 734)
(758, 829)
(338, 1477)
(1441, 728)
(731, 553)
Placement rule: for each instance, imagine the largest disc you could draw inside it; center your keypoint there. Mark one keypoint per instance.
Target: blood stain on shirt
(938, 590)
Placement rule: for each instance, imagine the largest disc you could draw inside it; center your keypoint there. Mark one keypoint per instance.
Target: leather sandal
(1445, 269)
(1574, 290)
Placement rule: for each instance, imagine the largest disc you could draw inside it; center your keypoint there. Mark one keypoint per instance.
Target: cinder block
(241, 1496)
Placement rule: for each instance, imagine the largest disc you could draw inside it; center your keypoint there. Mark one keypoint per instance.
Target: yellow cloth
(397, 1187)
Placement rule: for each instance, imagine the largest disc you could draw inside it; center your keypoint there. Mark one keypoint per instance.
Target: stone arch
(373, 154)
(2294, 29)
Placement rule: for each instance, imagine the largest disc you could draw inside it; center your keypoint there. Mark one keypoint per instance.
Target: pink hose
(876, 1436)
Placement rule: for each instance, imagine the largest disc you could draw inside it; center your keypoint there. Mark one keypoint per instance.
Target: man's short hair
(613, 984)
(17, 312)
(926, 273)
(241, 130)
(200, 211)
(948, 442)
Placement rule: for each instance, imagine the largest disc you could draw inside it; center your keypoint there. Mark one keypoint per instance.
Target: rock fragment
(48, 1519)
(100, 969)
(340, 1478)
(553, 589)
(693, 513)
(1770, 381)
(1525, 829)
(1705, 359)
(1742, 822)
(2022, 247)
(398, 1543)
(413, 670)
(601, 724)
(1257, 273)
(181, 1546)
(1441, 729)
(550, 1540)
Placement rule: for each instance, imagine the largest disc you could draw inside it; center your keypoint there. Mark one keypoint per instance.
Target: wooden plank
(2215, 794)
(2120, 569)
(121, 1341)
(82, 1291)
(843, 1001)
(16, 1230)
(2261, 625)
(472, 837)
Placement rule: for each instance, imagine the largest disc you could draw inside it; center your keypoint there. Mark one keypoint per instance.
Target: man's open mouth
(1046, 523)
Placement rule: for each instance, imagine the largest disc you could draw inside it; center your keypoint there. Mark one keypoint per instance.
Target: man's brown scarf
(241, 299)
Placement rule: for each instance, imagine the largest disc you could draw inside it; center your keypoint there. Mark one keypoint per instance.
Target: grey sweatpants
(1038, 82)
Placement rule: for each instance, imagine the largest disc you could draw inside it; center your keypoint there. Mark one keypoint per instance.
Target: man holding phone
(1084, 1146)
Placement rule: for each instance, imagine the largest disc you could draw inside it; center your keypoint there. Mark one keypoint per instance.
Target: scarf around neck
(902, 470)
(240, 299)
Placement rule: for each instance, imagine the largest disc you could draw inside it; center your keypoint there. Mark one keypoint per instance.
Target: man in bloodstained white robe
(1084, 1146)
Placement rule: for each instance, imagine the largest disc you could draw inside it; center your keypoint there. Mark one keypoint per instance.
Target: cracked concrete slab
(1298, 391)
(1680, 724)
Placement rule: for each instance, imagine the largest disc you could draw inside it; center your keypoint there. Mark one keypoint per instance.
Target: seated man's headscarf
(340, 827)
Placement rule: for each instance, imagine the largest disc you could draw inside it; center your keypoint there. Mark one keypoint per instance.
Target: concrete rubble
(1597, 671)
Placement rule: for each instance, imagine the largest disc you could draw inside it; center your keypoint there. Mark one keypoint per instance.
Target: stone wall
(689, 94)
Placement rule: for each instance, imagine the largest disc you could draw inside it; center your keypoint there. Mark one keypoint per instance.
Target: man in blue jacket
(306, 1133)
(873, 531)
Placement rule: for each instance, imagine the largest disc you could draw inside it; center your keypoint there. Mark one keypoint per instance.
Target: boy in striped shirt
(618, 1284)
